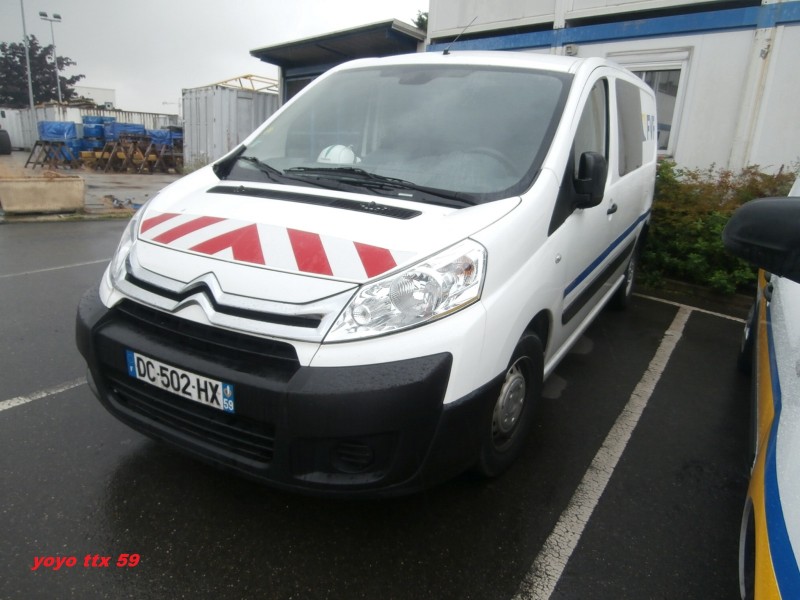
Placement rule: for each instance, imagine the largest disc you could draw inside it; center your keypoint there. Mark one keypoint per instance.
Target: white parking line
(20, 400)
(540, 582)
(694, 308)
(72, 266)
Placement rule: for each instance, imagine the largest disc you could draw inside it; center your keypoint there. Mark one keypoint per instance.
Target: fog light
(352, 457)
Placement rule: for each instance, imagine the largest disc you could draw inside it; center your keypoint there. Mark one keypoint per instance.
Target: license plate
(209, 392)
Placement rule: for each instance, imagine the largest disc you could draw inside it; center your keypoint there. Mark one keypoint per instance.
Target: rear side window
(631, 134)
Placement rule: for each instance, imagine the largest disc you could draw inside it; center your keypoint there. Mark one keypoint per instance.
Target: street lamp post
(32, 117)
(56, 18)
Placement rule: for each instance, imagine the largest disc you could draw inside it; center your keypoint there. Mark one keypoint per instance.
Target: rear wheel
(622, 297)
(508, 424)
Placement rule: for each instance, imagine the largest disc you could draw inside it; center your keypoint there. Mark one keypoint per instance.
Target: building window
(665, 83)
(666, 70)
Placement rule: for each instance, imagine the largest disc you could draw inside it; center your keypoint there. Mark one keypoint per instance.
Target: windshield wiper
(224, 167)
(273, 174)
(363, 178)
(265, 168)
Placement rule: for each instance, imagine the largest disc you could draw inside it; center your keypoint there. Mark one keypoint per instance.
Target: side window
(629, 117)
(665, 83)
(666, 70)
(592, 134)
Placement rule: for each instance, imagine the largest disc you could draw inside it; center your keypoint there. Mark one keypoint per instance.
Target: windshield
(462, 132)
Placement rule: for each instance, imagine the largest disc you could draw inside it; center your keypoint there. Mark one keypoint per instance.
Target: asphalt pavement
(92, 509)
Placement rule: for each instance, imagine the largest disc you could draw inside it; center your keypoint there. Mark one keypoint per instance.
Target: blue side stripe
(599, 260)
(765, 16)
(784, 561)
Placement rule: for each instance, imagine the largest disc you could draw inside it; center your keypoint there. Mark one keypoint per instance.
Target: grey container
(217, 118)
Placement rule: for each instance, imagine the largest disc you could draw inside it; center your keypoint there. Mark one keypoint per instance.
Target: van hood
(342, 237)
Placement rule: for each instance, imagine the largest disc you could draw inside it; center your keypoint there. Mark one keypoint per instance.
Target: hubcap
(629, 275)
(509, 405)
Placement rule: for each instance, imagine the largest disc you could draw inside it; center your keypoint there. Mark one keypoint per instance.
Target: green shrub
(690, 209)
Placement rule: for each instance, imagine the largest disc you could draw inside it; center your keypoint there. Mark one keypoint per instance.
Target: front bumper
(357, 430)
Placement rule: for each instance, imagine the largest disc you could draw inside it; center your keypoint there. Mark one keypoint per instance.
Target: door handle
(613, 209)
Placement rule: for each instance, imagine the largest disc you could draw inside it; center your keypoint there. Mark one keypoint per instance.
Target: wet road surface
(77, 484)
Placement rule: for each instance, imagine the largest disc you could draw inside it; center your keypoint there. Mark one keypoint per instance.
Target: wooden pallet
(52, 155)
(162, 158)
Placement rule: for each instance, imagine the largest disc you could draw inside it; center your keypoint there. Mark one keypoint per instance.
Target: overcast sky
(149, 50)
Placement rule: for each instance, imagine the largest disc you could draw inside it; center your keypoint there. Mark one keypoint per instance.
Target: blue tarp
(114, 130)
(97, 120)
(57, 131)
(71, 150)
(92, 144)
(93, 130)
(160, 136)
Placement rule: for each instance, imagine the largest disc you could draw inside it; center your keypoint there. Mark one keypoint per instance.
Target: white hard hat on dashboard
(338, 154)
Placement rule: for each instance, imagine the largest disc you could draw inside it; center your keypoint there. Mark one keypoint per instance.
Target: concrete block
(64, 193)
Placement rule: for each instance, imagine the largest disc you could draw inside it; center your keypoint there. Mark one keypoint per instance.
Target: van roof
(499, 58)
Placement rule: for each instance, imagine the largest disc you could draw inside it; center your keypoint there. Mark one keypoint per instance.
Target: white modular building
(725, 73)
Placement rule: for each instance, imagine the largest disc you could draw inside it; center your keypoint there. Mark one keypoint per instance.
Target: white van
(366, 296)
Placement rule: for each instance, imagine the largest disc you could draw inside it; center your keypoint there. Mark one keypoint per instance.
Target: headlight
(116, 269)
(431, 289)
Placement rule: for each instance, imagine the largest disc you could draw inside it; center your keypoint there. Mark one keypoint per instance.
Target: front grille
(203, 340)
(306, 321)
(231, 434)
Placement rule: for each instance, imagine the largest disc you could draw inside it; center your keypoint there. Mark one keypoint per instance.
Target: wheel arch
(541, 325)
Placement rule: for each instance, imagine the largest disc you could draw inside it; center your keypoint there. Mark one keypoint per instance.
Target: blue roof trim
(765, 16)
(599, 260)
(784, 562)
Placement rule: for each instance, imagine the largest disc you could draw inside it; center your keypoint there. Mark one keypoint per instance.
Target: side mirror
(591, 181)
(766, 232)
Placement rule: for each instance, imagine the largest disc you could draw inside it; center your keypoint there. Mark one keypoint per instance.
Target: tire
(622, 297)
(508, 422)
(5, 142)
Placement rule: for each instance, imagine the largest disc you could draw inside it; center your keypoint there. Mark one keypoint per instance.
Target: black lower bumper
(361, 430)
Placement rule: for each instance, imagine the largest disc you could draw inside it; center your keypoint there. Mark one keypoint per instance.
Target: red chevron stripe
(375, 260)
(245, 243)
(185, 229)
(150, 223)
(309, 252)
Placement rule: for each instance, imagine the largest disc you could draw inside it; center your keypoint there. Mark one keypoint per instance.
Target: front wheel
(508, 424)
